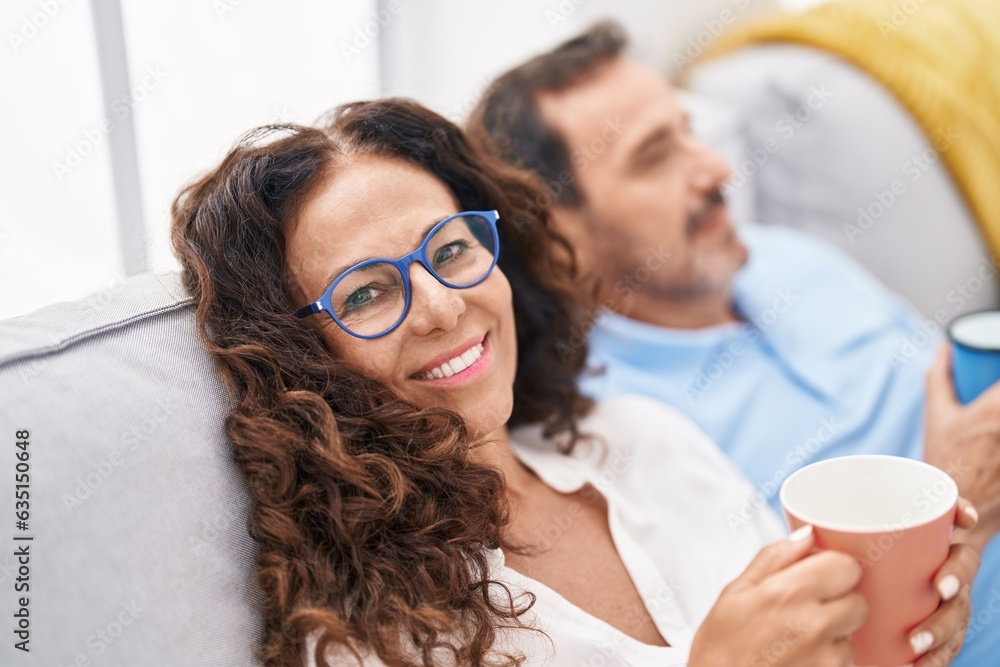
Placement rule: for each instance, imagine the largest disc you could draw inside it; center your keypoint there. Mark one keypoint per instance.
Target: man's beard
(703, 274)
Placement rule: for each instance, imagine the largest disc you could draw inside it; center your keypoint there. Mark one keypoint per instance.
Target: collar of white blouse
(567, 474)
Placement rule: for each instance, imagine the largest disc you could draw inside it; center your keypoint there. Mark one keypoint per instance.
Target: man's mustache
(714, 199)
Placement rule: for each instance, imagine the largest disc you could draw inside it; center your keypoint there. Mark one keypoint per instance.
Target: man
(779, 347)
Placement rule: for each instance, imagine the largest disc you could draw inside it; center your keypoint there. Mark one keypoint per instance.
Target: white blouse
(676, 510)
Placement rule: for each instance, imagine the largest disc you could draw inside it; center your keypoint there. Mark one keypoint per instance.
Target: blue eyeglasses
(372, 298)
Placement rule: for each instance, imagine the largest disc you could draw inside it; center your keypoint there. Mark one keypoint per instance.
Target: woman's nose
(433, 305)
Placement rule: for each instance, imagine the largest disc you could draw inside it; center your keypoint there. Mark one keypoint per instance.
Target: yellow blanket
(940, 58)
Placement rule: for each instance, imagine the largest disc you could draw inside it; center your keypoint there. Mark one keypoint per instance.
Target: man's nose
(433, 305)
(711, 169)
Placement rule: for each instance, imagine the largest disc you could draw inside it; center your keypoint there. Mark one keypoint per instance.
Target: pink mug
(895, 516)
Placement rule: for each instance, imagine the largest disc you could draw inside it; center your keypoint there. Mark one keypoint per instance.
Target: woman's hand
(964, 441)
(787, 609)
(940, 637)
(791, 609)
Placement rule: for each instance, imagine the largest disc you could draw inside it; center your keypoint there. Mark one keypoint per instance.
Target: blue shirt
(826, 362)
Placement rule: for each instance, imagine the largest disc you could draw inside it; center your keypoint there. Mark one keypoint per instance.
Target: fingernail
(921, 642)
(973, 514)
(802, 534)
(948, 587)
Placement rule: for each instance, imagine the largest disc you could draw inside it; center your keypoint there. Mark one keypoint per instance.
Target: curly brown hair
(371, 515)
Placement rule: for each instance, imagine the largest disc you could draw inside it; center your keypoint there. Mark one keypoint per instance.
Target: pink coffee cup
(895, 516)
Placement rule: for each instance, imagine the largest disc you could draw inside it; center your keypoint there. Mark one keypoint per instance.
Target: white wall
(445, 52)
(58, 239)
(229, 66)
(202, 73)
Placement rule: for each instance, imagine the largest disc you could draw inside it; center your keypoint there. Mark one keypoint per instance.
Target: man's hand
(964, 441)
(940, 637)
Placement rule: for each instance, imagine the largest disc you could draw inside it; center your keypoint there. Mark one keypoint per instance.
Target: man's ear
(571, 223)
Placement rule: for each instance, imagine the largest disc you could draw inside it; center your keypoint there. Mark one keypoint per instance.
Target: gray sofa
(140, 553)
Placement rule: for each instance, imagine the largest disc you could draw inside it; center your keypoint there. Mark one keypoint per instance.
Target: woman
(429, 486)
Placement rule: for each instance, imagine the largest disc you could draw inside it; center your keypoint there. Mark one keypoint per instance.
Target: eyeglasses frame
(323, 303)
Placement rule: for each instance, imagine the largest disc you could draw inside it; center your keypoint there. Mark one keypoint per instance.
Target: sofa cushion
(140, 554)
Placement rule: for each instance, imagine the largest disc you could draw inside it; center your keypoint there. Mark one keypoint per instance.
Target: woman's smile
(466, 363)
